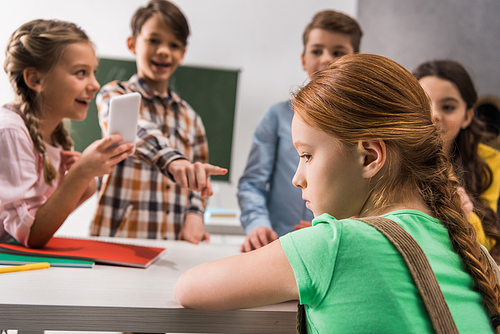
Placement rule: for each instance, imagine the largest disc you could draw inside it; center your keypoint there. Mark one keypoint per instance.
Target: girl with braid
(51, 66)
(368, 147)
(452, 95)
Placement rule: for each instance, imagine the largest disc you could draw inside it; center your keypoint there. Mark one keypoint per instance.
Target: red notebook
(94, 250)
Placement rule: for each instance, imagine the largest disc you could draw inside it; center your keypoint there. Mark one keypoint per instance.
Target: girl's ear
(131, 44)
(373, 154)
(33, 79)
(469, 114)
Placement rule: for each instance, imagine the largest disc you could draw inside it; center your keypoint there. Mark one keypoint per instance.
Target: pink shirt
(22, 188)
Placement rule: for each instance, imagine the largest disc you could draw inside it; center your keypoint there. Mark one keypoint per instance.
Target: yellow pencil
(32, 266)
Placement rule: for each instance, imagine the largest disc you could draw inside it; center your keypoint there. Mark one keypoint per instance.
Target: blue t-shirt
(351, 278)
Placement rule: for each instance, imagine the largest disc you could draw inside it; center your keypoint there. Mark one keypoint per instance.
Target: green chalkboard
(211, 92)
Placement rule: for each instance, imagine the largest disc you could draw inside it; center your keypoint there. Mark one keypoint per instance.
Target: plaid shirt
(139, 199)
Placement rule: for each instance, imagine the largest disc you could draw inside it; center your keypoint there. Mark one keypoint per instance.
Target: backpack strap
(301, 319)
(421, 271)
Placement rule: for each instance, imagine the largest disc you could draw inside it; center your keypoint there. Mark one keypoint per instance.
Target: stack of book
(223, 221)
(81, 253)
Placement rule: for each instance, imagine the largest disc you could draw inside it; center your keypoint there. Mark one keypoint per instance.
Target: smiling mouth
(82, 102)
(163, 65)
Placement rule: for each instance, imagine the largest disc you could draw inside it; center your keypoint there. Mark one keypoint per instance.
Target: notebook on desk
(103, 252)
(13, 260)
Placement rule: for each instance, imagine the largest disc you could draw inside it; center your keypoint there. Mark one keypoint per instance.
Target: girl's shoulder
(490, 155)
(398, 216)
(413, 221)
(10, 118)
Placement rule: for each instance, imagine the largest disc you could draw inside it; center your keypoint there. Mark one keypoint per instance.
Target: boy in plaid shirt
(160, 191)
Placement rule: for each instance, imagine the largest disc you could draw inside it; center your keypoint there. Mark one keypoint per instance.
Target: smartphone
(123, 116)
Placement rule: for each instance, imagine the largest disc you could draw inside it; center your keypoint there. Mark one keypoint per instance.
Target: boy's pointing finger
(215, 170)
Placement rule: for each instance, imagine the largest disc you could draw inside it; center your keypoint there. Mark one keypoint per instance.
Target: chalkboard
(211, 92)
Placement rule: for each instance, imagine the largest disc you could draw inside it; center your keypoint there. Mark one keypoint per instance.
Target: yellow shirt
(492, 158)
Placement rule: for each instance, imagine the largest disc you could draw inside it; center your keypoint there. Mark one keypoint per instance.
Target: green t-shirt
(351, 279)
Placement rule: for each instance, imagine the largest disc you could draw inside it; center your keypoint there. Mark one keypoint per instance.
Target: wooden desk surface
(111, 298)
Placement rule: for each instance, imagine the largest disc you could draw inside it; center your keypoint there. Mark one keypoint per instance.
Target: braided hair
(39, 44)
(367, 96)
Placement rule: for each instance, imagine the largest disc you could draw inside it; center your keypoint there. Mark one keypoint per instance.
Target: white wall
(262, 38)
(411, 32)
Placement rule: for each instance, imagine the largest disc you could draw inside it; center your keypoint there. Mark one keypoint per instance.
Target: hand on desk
(194, 176)
(193, 229)
(258, 238)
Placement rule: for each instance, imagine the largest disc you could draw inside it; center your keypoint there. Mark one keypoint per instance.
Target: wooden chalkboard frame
(210, 91)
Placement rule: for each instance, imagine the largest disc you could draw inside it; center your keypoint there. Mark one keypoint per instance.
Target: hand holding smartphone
(124, 115)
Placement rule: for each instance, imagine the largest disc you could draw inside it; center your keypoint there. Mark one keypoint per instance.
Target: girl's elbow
(181, 293)
(37, 245)
(34, 242)
(189, 294)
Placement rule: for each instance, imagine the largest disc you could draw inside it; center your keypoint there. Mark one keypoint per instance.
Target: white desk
(119, 299)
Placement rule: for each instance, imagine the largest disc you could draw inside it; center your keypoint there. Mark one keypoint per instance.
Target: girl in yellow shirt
(453, 96)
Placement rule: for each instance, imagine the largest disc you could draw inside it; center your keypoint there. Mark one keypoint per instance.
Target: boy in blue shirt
(270, 205)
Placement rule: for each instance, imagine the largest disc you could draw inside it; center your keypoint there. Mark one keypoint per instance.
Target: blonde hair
(365, 96)
(39, 44)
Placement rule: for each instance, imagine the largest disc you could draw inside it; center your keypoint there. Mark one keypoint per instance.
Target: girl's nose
(94, 84)
(436, 115)
(298, 180)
